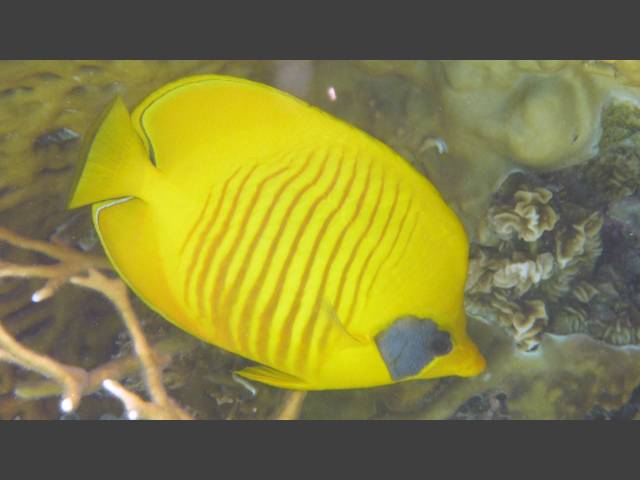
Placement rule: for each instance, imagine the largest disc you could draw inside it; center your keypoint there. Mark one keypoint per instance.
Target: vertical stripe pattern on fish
(271, 229)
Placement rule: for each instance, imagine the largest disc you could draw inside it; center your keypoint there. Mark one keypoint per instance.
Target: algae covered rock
(566, 378)
(537, 114)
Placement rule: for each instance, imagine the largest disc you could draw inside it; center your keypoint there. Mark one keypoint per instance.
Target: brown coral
(529, 324)
(522, 275)
(583, 291)
(529, 218)
(579, 242)
(593, 286)
(523, 272)
(518, 272)
(525, 320)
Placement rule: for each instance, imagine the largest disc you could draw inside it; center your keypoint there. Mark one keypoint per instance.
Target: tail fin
(116, 161)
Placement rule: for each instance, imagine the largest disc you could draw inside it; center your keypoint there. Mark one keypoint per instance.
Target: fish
(263, 225)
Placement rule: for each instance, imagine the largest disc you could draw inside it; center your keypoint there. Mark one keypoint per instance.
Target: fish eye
(440, 343)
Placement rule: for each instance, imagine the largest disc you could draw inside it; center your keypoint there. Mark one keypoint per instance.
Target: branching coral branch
(137, 408)
(70, 262)
(73, 379)
(116, 369)
(71, 267)
(116, 291)
(292, 406)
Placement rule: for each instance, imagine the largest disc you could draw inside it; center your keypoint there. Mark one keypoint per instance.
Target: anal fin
(273, 377)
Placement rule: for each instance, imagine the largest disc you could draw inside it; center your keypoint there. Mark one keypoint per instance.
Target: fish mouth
(475, 363)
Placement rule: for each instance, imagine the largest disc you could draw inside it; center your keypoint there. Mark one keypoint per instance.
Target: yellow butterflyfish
(265, 226)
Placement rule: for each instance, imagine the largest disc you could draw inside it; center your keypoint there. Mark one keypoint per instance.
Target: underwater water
(540, 161)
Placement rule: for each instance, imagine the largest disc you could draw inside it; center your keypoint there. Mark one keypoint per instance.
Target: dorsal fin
(227, 120)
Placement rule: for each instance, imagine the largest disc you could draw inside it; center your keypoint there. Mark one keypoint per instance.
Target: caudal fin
(116, 162)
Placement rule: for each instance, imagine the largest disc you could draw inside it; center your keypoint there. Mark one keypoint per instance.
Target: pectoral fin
(273, 377)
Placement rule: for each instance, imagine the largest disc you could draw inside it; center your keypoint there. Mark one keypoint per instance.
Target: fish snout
(472, 361)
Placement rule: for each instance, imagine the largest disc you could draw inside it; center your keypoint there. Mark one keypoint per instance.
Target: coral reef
(629, 411)
(565, 379)
(485, 406)
(537, 261)
(532, 254)
(529, 218)
(75, 381)
(567, 243)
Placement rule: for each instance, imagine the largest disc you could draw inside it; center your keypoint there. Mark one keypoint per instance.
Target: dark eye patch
(410, 343)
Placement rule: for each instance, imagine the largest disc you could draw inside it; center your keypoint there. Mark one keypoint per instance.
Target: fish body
(263, 225)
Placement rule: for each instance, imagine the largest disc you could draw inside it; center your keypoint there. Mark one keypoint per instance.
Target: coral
(627, 70)
(588, 280)
(46, 107)
(620, 122)
(523, 274)
(292, 406)
(580, 241)
(517, 272)
(74, 381)
(536, 253)
(525, 320)
(629, 411)
(538, 114)
(614, 175)
(564, 379)
(529, 218)
(627, 212)
(485, 406)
